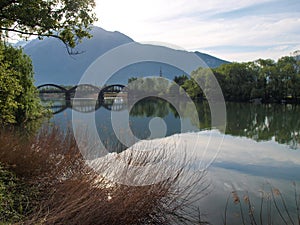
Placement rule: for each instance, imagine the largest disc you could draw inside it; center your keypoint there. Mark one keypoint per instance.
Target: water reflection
(242, 164)
(260, 122)
(85, 105)
(256, 121)
(265, 122)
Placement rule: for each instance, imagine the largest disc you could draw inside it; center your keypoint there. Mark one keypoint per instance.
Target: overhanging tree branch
(70, 50)
(65, 20)
(29, 33)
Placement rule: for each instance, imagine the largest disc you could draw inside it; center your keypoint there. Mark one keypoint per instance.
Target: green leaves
(67, 20)
(15, 197)
(264, 78)
(19, 101)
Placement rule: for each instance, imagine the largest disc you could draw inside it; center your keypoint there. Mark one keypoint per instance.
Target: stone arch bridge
(83, 91)
(87, 92)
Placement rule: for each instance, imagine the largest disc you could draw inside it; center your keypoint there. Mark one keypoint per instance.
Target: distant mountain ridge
(52, 63)
(210, 60)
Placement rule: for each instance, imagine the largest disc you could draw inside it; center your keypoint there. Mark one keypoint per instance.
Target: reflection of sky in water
(224, 181)
(240, 163)
(265, 158)
(239, 154)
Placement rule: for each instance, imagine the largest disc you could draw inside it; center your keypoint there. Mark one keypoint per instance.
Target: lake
(258, 156)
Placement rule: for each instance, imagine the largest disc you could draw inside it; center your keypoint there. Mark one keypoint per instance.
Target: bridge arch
(86, 92)
(115, 88)
(52, 91)
(40, 87)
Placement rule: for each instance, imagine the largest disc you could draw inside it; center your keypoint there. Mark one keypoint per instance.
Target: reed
(271, 209)
(70, 192)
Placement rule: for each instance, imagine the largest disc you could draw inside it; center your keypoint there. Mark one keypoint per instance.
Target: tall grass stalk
(70, 192)
(273, 209)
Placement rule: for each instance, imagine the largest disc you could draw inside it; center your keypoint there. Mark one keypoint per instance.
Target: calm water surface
(278, 123)
(260, 149)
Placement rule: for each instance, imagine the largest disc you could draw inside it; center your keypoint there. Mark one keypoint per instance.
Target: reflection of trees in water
(152, 107)
(157, 107)
(264, 122)
(261, 122)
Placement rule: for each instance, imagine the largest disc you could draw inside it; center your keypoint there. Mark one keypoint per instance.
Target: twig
(242, 213)
(261, 208)
(251, 215)
(278, 210)
(286, 209)
(296, 201)
(225, 211)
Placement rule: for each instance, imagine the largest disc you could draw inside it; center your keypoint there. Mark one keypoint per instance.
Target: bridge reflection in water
(85, 105)
(83, 98)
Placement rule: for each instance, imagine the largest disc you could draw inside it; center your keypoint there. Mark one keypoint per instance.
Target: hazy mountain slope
(211, 61)
(52, 63)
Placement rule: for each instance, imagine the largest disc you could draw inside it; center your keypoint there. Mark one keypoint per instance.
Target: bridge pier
(67, 96)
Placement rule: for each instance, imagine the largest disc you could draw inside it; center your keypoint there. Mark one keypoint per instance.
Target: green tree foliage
(64, 19)
(19, 101)
(288, 69)
(239, 80)
(180, 79)
(154, 86)
(161, 85)
(262, 79)
(131, 79)
(192, 88)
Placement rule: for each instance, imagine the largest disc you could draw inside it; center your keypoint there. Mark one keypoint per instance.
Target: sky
(234, 30)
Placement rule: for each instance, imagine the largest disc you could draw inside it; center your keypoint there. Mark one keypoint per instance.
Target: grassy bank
(16, 197)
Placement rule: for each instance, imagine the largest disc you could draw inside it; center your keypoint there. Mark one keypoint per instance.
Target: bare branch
(70, 50)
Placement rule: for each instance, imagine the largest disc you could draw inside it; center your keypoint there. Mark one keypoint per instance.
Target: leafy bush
(15, 197)
(19, 101)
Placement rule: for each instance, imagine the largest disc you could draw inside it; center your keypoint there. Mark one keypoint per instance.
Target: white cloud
(209, 151)
(195, 25)
(213, 146)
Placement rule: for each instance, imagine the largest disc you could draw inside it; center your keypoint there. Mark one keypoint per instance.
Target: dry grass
(42, 158)
(72, 193)
(272, 208)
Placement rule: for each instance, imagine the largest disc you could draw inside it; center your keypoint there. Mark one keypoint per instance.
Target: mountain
(53, 64)
(211, 61)
(20, 43)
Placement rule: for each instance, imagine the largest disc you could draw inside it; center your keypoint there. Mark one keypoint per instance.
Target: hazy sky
(235, 30)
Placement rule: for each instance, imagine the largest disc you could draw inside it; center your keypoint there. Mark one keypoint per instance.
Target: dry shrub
(72, 193)
(45, 156)
(77, 202)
